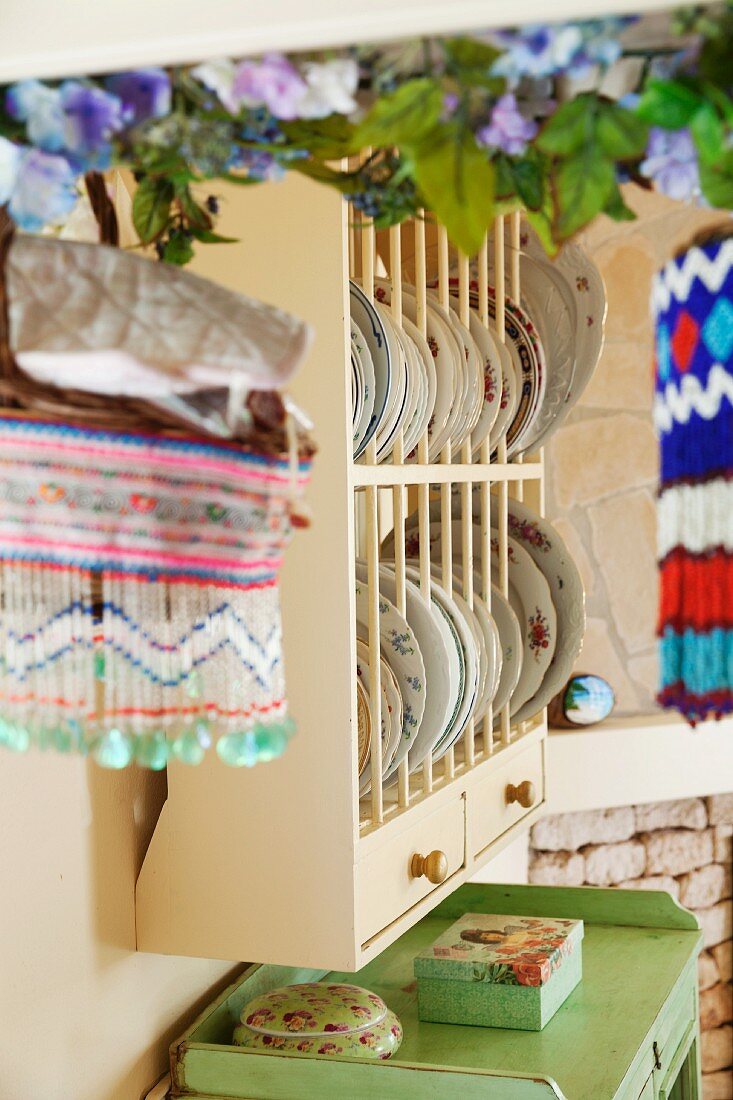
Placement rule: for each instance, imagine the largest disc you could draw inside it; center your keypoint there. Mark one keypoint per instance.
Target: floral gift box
(499, 971)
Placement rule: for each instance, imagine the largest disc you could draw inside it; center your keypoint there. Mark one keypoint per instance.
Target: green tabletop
(638, 985)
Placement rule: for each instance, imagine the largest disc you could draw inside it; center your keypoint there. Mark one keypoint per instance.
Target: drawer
(490, 811)
(388, 882)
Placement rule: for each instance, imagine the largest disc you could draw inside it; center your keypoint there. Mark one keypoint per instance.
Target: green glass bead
(238, 750)
(151, 751)
(271, 740)
(79, 742)
(114, 749)
(44, 738)
(194, 684)
(62, 739)
(188, 749)
(16, 737)
(100, 665)
(203, 733)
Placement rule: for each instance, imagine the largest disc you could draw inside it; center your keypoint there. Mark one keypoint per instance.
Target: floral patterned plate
(391, 712)
(510, 638)
(485, 636)
(430, 381)
(589, 295)
(457, 661)
(320, 1018)
(535, 608)
(552, 557)
(472, 368)
(510, 387)
(402, 652)
(442, 672)
(469, 649)
(444, 353)
(492, 381)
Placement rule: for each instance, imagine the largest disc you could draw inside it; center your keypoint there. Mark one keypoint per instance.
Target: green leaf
(570, 128)
(178, 249)
(206, 236)
(239, 180)
(521, 179)
(541, 222)
(151, 208)
(716, 181)
(346, 182)
(405, 117)
(457, 183)
(583, 185)
(668, 104)
(470, 53)
(196, 215)
(617, 209)
(528, 182)
(708, 133)
(620, 133)
(327, 138)
(471, 61)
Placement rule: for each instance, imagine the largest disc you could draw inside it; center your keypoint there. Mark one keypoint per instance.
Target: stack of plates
(449, 662)
(459, 380)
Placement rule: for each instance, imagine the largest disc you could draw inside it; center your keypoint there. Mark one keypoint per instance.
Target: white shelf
(630, 761)
(45, 38)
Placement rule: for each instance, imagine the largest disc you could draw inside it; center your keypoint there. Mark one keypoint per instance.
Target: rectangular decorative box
(499, 971)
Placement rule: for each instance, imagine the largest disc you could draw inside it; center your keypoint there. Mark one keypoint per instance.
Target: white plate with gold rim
(364, 726)
(443, 353)
(388, 734)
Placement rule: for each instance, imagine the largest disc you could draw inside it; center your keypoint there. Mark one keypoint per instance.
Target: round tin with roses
(321, 1018)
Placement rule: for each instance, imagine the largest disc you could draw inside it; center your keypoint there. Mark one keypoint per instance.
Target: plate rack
(284, 863)
(385, 491)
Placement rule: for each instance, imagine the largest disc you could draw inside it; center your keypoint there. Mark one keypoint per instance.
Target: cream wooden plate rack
(285, 863)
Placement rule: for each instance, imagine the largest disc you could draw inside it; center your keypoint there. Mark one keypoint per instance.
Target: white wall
(82, 1016)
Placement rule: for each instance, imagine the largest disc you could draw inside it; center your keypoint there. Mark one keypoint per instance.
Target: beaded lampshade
(693, 411)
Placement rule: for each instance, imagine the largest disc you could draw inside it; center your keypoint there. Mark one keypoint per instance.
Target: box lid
(506, 950)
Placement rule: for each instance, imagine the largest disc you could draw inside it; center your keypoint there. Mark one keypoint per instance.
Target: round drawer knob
(433, 866)
(524, 794)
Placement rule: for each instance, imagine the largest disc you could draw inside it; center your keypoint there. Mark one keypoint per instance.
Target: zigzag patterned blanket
(693, 413)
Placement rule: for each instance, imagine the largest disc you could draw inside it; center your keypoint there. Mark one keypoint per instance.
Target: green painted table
(629, 1031)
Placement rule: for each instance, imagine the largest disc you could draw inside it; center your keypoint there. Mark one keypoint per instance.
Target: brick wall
(684, 847)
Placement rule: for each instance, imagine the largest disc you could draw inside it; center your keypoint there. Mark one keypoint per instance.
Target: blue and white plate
(371, 328)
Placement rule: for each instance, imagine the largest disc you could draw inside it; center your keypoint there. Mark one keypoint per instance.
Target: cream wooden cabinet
(283, 863)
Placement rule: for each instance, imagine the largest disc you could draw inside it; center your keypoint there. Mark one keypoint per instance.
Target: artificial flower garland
(467, 127)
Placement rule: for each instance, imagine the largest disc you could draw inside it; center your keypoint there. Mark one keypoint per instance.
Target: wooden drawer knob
(433, 866)
(524, 794)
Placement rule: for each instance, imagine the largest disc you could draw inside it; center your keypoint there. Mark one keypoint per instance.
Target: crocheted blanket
(693, 412)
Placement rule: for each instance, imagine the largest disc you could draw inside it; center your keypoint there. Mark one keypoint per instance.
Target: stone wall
(602, 465)
(683, 847)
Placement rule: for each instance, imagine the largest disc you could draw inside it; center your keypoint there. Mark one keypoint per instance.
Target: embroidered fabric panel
(693, 412)
(139, 603)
